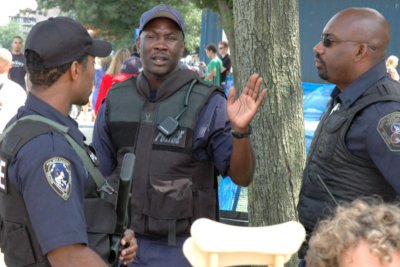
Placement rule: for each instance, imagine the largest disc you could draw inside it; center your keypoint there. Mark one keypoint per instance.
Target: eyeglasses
(327, 41)
(221, 47)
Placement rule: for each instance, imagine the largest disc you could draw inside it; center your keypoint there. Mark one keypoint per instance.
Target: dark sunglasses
(327, 41)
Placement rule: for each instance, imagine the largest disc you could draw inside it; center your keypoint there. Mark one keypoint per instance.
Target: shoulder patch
(58, 175)
(389, 130)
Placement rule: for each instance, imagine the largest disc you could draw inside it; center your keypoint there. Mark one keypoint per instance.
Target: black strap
(172, 233)
(40, 125)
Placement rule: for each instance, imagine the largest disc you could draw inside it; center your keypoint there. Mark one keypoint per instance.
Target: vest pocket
(329, 137)
(101, 221)
(16, 245)
(169, 199)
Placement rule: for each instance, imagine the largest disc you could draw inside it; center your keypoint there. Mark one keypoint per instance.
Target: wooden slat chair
(214, 244)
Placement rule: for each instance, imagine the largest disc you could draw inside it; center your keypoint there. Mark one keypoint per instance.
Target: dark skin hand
(241, 112)
(128, 254)
(81, 255)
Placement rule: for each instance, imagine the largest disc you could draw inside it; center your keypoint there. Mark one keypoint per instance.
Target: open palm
(243, 109)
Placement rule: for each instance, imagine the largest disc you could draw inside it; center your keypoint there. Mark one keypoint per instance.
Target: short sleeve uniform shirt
(51, 178)
(375, 132)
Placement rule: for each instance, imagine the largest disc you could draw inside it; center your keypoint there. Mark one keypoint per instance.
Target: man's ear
(361, 51)
(138, 43)
(183, 48)
(74, 70)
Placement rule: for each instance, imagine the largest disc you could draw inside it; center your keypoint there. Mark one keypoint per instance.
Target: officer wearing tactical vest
(356, 148)
(182, 129)
(51, 209)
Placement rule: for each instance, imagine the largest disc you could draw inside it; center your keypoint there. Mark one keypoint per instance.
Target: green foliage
(8, 31)
(211, 4)
(192, 17)
(117, 20)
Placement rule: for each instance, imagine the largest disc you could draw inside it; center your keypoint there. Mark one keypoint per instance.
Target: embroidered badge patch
(389, 129)
(58, 174)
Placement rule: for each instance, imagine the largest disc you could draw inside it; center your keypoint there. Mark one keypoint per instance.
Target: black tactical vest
(333, 175)
(18, 241)
(170, 188)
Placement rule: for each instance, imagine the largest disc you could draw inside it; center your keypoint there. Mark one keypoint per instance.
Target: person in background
(100, 70)
(52, 211)
(355, 151)
(213, 70)
(131, 67)
(17, 72)
(114, 69)
(391, 66)
(363, 233)
(12, 95)
(184, 133)
(223, 48)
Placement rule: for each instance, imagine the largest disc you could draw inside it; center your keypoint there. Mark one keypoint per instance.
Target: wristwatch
(240, 135)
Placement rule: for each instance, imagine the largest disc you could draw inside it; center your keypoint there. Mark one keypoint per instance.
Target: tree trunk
(267, 42)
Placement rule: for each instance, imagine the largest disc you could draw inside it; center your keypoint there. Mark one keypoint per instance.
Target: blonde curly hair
(375, 222)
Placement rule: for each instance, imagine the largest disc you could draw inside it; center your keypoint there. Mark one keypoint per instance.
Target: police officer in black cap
(182, 129)
(51, 205)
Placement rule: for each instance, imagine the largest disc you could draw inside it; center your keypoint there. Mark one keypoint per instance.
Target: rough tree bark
(267, 42)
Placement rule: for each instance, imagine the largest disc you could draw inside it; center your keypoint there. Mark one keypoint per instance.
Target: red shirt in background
(105, 85)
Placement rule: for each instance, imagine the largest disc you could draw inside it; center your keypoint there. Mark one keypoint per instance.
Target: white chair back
(214, 244)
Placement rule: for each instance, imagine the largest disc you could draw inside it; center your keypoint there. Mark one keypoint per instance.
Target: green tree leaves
(8, 31)
(117, 20)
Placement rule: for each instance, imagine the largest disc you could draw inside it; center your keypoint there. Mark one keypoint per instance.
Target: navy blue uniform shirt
(212, 137)
(51, 178)
(363, 139)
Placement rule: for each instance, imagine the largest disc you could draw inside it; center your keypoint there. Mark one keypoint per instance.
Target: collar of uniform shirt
(359, 86)
(336, 107)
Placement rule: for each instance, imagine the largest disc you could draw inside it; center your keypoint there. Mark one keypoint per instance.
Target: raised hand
(241, 111)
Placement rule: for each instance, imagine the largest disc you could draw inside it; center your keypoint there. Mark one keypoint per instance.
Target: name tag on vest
(178, 139)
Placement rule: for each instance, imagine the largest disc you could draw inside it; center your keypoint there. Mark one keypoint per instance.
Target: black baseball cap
(162, 11)
(61, 40)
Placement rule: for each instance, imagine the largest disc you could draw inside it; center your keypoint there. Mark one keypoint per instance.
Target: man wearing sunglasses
(356, 147)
